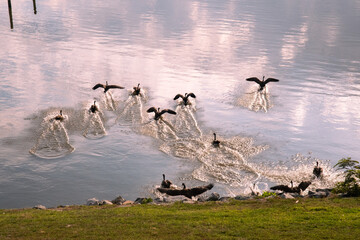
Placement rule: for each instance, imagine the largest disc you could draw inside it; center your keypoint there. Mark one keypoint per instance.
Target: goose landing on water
(59, 117)
(106, 87)
(165, 183)
(263, 82)
(93, 108)
(187, 192)
(301, 187)
(185, 98)
(215, 143)
(158, 113)
(318, 171)
(136, 90)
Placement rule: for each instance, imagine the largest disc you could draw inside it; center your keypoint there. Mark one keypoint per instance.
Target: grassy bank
(330, 218)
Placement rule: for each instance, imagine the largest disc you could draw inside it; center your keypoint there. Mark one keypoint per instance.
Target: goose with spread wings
(159, 113)
(187, 192)
(263, 82)
(106, 86)
(301, 187)
(185, 98)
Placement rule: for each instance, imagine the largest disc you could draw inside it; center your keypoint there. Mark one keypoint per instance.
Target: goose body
(318, 171)
(215, 143)
(106, 86)
(263, 82)
(165, 183)
(159, 113)
(136, 90)
(301, 187)
(187, 192)
(93, 108)
(185, 98)
(59, 117)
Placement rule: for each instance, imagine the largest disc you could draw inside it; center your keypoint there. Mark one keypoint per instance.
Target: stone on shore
(118, 201)
(41, 207)
(213, 197)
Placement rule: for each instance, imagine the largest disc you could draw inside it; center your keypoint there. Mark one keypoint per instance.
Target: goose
(187, 192)
(158, 113)
(165, 183)
(317, 170)
(301, 187)
(215, 143)
(136, 90)
(59, 117)
(263, 82)
(93, 108)
(185, 98)
(106, 87)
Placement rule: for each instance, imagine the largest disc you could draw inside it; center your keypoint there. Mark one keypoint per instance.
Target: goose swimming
(185, 98)
(93, 108)
(158, 113)
(165, 183)
(215, 143)
(136, 90)
(187, 192)
(106, 86)
(263, 82)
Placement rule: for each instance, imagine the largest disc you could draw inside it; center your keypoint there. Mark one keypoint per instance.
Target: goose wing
(254, 79)
(171, 191)
(115, 86)
(271, 80)
(177, 96)
(192, 95)
(152, 109)
(168, 111)
(282, 188)
(304, 185)
(98, 85)
(191, 192)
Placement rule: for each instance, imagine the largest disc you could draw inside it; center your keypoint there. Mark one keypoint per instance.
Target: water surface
(51, 60)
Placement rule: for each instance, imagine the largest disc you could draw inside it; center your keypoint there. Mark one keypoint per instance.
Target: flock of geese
(166, 185)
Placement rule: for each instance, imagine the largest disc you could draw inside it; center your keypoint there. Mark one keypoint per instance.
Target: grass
(329, 218)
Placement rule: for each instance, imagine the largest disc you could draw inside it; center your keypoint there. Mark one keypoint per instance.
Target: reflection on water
(51, 60)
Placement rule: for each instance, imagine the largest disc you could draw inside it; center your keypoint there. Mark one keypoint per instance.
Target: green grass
(330, 218)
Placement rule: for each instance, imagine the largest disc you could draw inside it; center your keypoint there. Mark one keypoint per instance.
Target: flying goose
(187, 192)
(185, 98)
(158, 113)
(106, 87)
(215, 143)
(165, 183)
(263, 82)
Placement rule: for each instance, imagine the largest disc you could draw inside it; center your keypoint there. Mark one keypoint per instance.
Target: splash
(185, 123)
(227, 164)
(256, 100)
(53, 141)
(94, 127)
(132, 109)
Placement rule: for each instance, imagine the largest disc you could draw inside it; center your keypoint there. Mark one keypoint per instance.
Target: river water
(51, 60)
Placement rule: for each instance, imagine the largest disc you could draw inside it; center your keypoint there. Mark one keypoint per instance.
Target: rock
(239, 197)
(225, 199)
(188, 201)
(143, 200)
(319, 194)
(213, 197)
(41, 207)
(92, 202)
(118, 201)
(128, 202)
(105, 202)
(286, 196)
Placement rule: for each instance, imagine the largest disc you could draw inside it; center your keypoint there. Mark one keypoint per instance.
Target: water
(51, 60)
